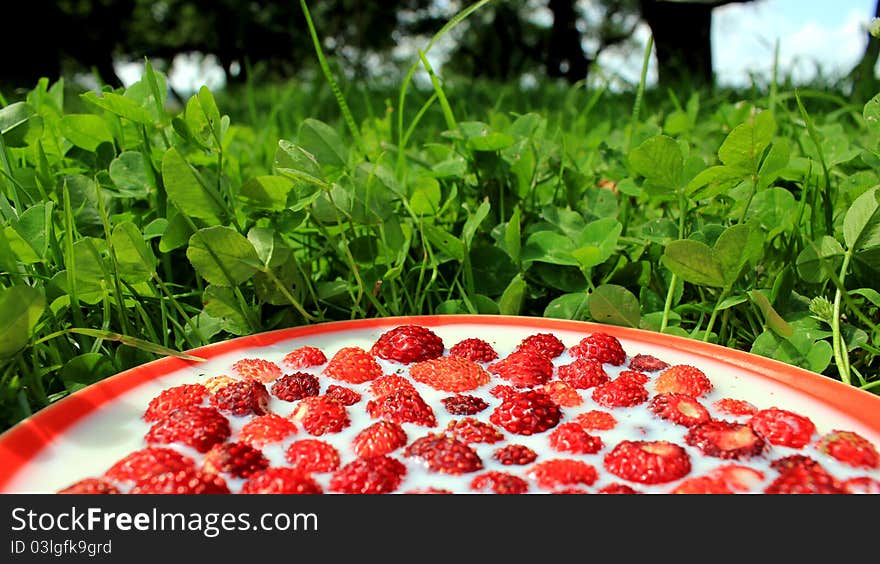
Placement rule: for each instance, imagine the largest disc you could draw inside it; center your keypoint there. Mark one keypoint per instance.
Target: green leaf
(771, 318)
(861, 225)
(473, 223)
(799, 350)
(567, 306)
(220, 303)
(871, 112)
(713, 181)
(84, 370)
(549, 247)
(694, 262)
(20, 309)
(133, 342)
(119, 105)
(732, 250)
(819, 259)
(610, 303)
(129, 173)
(598, 241)
(659, 160)
(513, 235)
(176, 233)
(512, 299)
(21, 247)
(426, 196)
(134, 258)
(323, 142)
(185, 190)
(744, 145)
(18, 122)
(267, 192)
(86, 131)
(445, 242)
(869, 294)
(222, 256)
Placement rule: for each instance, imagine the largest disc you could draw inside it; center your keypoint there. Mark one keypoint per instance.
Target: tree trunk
(565, 56)
(682, 39)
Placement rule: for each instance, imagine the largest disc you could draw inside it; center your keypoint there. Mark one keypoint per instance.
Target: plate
(85, 433)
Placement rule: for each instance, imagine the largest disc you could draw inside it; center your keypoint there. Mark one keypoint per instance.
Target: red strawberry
(601, 346)
(725, 439)
(428, 491)
(450, 374)
(850, 448)
(474, 349)
(728, 479)
(595, 420)
(782, 427)
(499, 483)
(384, 385)
(198, 427)
(237, 459)
(171, 398)
(402, 406)
(735, 407)
(618, 489)
(563, 472)
(583, 373)
(683, 379)
(571, 437)
(464, 404)
(523, 368)
(146, 462)
(266, 429)
(620, 392)
(257, 369)
(546, 344)
(312, 455)
(369, 475)
(639, 378)
(320, 415)
(90, 486)
(186, 481)
(296, 386)
(563, 394)
(470, 430)
(503, 391)
(861, 485)
(648, 462)
(281, 480)
(527, 413)
(407, 344)
(445, 454)
(345, 396)
(245, 397)
(304, 357)
(571, 491)
(382, 437)
(353, 365)
(802, 475)
(680, 409)
(647, 363)
(216, 383)
(515, 454)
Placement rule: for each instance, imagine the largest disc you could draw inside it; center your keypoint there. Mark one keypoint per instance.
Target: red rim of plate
(22, 442)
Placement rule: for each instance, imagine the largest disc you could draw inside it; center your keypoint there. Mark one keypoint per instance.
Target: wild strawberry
(389, 383)
(523, 368)
(683, 379)
(725, 439)
(320, 415)
(281, 480)
(583, 373)
(503, 391)
(802, 475)
(861, 485)
(428, 491)
(236, 459)
(296, 386)
(499, 483)
(600, 346)
(474, 349)
(850, 448)
(382, 437)
(647, 363)
(186, 481)
(728, 479)
(198, 427)
(90, 486)
(312, 455)
(735, 407)
(546, 344)
(407, 344)
(450, 374)
(170, 399)
(620, 392)
(460, 404)
(639, 378)
(345, 396)
(445, 454)
(216, 383)
(146, 462)
(402, 406)
(470, 430)
(563, 394)
(353, 365)
(244, 397)
(571, 437)
(595, 420)
(680, 409)
(514, 454)
(369, 475)
(257, 369)
(618, 489)
(266, 429)
(304, 357)
(527, 413)
(782, 427)
(563, 472)
(648, 462)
